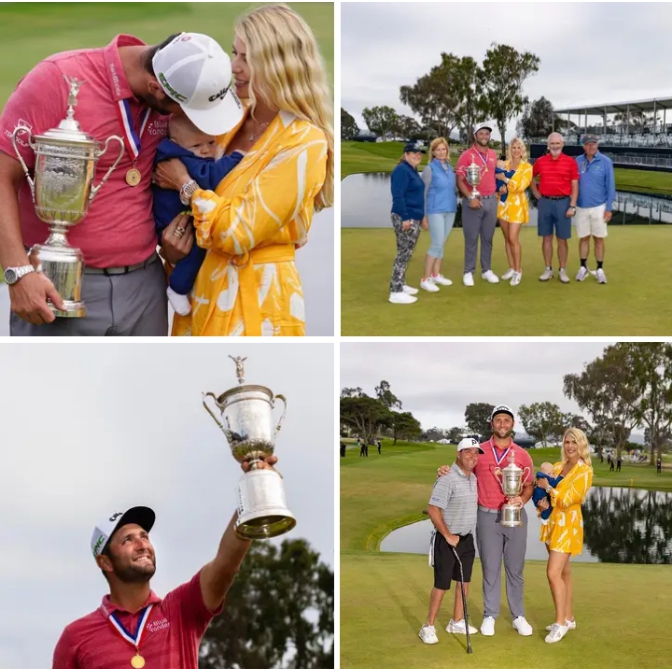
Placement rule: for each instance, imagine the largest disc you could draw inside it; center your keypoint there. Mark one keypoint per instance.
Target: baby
(201, 157)
(501, 169)
(545, 471)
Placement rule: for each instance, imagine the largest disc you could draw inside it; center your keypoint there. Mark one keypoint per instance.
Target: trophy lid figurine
(62, 189)
(247, 411)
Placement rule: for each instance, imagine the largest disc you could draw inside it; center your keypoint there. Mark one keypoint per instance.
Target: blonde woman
(261, 212)
(513, 209)
(440, 208)
(563, 534)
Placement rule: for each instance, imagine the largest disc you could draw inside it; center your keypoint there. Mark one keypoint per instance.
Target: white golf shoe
(582, 273)
(548, 274)
(468, 279)
(402, 298)
(601, 276)
(556, 633)
(570, 624)
(517, 278)
(562, 275)
(460, 627)
(490, 276)
(429, 286)
(488, 626)
(508, 274)
(409, 290)
(522, 626)
(427, 634)
(442, 280)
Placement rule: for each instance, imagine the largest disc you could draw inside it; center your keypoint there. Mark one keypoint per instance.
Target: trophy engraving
(247, 412)
(512, 485)
(62, 189)
(473, 175)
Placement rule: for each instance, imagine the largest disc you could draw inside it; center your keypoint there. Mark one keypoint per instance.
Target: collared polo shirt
(490, 492)
(556, 176)
(171, 638)
(456, 494)
(597, 185)
(119, 227)
(488, 161)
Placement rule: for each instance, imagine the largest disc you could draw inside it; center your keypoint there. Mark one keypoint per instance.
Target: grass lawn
(622, 610)
(635, 302)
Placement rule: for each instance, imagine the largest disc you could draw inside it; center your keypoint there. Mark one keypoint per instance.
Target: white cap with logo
(482, 126)
(502, 408)
(194, 71)
(138, 515)
(469, 442)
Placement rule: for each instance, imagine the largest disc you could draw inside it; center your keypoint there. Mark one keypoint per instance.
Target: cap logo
(115, 516)
(98, 544)
(173, 93)
(219, 96)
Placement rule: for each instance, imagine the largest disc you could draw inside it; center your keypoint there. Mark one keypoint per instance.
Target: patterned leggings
(406, 241)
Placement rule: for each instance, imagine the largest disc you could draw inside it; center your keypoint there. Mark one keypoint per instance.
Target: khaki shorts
(590, 221)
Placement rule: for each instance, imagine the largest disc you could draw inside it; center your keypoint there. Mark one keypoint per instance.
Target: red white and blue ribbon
(131, 137)
(133, 639)
(498, 460)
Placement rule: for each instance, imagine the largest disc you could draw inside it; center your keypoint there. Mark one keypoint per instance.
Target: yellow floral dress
(251, 225)
(564, 530)
(516, 209)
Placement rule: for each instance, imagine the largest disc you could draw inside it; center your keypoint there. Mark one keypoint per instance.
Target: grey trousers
(132, 304)
(478, 223)
(494, 543)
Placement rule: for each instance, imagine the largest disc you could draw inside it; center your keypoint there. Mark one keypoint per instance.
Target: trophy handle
(17, 130)
(95, 189)
(284, 411)
(526, 471)
(499, 476)
(225, 430)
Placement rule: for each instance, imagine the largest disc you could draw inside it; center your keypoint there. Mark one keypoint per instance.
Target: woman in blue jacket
(440, 208)
(408, 212)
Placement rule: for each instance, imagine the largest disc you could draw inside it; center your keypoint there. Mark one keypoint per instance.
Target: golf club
(464, 601)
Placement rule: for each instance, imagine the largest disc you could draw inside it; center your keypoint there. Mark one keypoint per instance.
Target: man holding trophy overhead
(119, 92)
(501, 527)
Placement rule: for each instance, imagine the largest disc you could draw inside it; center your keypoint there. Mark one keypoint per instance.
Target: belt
(487, 509)
(487, 197)
(111, 271)
(554, 197)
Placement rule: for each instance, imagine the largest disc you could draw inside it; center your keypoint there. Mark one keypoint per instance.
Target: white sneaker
(179, 302)
(562, 275)
(548, 274)
(459, 627)
(570, 624)
(441, 280)
(508, 274)
(556, 633)
(409, 290)
(582, 273)
(488, 626)
(428, 634)
(522, 626)
(428, 285)
(517, 278)
(490, 276)
(601, 277)
(468, 279)
(402, 298)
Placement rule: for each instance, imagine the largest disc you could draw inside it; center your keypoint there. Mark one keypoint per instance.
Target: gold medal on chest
(133, 178)
(138, 662)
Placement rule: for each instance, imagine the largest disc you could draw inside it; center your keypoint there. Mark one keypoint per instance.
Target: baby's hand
(501, 164)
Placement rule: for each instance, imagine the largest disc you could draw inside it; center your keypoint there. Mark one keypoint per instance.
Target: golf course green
(622, 611)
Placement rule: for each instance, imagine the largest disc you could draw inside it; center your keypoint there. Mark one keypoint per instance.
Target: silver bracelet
(187, 192)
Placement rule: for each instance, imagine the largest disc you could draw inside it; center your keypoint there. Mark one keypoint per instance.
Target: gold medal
(133, 178)
(138, 662)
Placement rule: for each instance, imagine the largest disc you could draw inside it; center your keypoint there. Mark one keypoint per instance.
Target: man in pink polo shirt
(128, 90)
(494, 541)
(133, 626)
(479, 215)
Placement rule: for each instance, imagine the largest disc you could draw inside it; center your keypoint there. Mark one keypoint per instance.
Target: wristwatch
(13, 274)
(572, 207)
(187, 191)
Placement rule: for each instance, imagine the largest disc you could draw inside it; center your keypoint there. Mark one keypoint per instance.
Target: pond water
(366, 202)
(620, 525)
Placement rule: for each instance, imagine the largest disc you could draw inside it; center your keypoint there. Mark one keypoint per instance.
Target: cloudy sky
(89, 429)
(436, 381)
(590, 52)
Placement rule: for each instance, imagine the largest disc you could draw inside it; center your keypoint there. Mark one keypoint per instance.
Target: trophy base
(511, 516)
(72, 309)
(264, 526)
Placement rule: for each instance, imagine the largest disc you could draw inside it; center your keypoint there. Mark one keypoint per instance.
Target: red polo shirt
(556, 176)
(171, 638)
(119, 227)
(489, 489)
(487, 161)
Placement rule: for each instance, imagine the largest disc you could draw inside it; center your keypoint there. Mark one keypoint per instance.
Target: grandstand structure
(635, 134)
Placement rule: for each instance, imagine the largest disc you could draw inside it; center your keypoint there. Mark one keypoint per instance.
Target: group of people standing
(566, 188)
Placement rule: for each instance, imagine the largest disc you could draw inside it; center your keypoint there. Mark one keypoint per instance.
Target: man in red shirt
(128, 90)
(133, 626)
(557, 193)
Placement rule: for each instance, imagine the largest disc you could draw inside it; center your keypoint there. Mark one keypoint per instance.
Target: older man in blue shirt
(597, 190)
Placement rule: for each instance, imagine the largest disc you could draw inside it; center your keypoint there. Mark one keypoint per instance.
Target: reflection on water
(366, 202)
(620, 525)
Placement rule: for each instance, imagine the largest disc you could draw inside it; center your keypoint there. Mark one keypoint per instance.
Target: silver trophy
(62, 188)
(512, 485)
(473, 175)
(247, 412)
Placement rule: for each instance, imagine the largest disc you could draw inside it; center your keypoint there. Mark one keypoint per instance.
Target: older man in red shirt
(557, 193)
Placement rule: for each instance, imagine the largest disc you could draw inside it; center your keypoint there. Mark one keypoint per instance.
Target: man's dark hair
(149, 54)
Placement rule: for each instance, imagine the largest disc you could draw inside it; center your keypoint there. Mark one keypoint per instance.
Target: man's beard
(133, 573)
(503, 433)
(154, 103)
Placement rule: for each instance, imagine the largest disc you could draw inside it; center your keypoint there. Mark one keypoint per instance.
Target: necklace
(259, 132)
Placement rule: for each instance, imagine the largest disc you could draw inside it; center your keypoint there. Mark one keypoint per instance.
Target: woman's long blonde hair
(288, 73)
(581, 442)
(523, 155)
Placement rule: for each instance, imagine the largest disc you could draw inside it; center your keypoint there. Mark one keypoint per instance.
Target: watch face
(10, 276)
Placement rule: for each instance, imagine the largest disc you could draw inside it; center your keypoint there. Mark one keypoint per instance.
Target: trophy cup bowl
(247, 412)
(512, 486)
(473, 176)
(62, 189)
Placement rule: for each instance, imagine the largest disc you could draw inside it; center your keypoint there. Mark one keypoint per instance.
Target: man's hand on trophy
(443, 470)
(28, 297)
(475, 203)
(266, 463)
(516, 501)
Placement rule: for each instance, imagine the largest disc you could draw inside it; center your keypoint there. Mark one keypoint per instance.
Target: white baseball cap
(469, 442)
(482, 126)
(502, 408)
(139, 515)
(194, 71)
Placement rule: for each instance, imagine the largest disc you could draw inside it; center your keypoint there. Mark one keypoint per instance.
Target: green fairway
(621, 610)
(635, 302)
